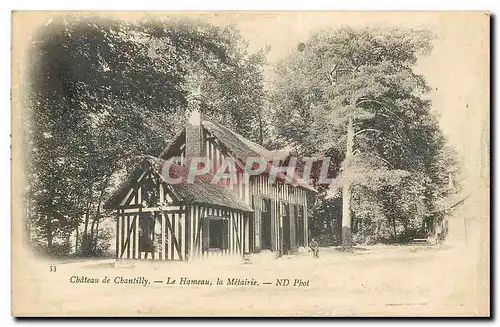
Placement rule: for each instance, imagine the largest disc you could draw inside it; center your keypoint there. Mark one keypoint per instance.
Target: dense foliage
(102, 92)
(398, 167)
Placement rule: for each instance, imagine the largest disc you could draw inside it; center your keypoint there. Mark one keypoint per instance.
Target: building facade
(188, 220)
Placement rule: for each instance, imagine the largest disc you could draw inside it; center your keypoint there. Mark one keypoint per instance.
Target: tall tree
(102, 92)
(355, 93)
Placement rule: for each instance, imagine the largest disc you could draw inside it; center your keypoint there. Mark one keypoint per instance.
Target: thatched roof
(114, 200)
(243, 148)
(240, 147)
(179, 137)
(202, 191)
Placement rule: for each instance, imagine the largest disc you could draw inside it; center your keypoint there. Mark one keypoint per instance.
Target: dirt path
(379, 281)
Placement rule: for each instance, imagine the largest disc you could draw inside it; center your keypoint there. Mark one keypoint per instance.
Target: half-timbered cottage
(185, 220)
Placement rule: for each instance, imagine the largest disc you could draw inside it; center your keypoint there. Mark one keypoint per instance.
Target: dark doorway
(251, 233)
(146, 232)
(265, 225)
(299, 225)
(286, 229)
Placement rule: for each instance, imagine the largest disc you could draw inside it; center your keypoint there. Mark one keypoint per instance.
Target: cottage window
(265, 205)
(217, 233)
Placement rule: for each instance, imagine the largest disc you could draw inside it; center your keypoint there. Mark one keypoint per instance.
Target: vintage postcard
(250, 164)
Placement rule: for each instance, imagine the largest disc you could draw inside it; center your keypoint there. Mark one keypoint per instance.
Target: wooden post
(193, 218)
(127, 233)
(132, 237)
(172, 234)
(136, 234)
(138, 200)
(278, 221)
(306, 224)
(162, 194)
(187, 232)
(179, 234)
(273, 213)
(242, 234)
(247, 233)
(162, 236)
(230, 235)
(168, 235)
(280, 233)
(258, 223)
(205, 227)
(293, 235)
(244, 239)
(118, 232)
(120, 236)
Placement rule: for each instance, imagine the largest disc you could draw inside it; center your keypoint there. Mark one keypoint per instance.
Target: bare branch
(330, 75)
(385, 160)
(378, 156)
(369, 100)
(367, 130)
(383, 106)
(333, 70)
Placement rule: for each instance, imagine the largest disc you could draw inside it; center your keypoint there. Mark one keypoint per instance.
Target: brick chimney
(193, 134)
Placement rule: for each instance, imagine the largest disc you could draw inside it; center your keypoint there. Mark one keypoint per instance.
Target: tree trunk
(96, 236)
(394, 228)
(91, 239)
(346, 193)
(95, 222)
(87, 213)
(76, 239)
(85, 235)
(87, 217)
(332, 227)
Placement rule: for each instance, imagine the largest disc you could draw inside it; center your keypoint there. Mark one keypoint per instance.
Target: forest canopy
(103, 92)
(353, 94)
